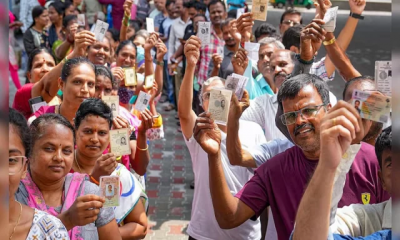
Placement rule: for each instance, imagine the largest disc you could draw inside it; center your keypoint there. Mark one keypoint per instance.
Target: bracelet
(330, 42)
(126, 24)
(304, 61)
(356, 16)
(118, 158)
(94, 180)
(127, 15)
(65, 60)
(160, 63)
(147, 147)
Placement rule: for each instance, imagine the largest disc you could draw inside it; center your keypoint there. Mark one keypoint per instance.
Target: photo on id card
(259, 9)
(130, 77)
(100, 30)
(109, 189)
(219, 103)
(113, 103)
(119, 142)
(372, 106)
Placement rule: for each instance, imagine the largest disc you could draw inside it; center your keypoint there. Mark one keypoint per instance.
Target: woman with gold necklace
(93, 122)
(25, 222)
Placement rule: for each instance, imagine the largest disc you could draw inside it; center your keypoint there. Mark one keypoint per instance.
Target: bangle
(160, 63)
(157, 121)
(126, 23)
(94, 180)
(330, 42)
(147, 147)
(65, 60)
(127, 15)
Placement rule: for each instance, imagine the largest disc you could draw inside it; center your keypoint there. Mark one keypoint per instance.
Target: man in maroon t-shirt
(281, 181)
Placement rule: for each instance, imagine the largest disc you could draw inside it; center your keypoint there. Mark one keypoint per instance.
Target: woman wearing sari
(49, 187)
(48, 85)
(100, 52)
(93, 122)
(26, 222)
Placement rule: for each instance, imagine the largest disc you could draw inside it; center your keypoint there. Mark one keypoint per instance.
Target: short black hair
(106, 72)
(357, 80)
(188, 4)
(123, 44)
(39, 125)
(200, 6)
(291, 37)
(21, 126)
(213, 2)
(292, 86)
(135, 24)
(114, 34)
(289, 12)
(95, 107)
(169, 2)
(232, 13)
(265, 29)
(384, 142)
(68, 19)
(71, 64)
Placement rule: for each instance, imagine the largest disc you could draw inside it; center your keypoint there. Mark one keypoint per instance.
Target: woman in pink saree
(70, 197)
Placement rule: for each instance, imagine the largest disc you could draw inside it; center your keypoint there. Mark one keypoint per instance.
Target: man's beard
(230, 44)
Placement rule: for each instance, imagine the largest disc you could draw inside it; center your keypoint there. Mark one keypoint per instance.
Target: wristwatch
(357, 16)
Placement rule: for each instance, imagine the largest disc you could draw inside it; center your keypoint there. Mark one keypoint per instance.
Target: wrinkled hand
(104, 166)
(207, 133)
(240, 61)
(357, 6)
(127, 7)
(217, 60)
(161, 50)
(147, 121)
(83, 39)
(84, 210)
(320, 8)
(192, 50)
(238, 107)
(338, 129)
(245, 25)
(311, 38)
(119, 74)
(234, 31)
(151, 41)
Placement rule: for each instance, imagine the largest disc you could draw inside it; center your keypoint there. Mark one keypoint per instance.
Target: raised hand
(119, 74)
(234, 31)
(217, 60)
(147, 121)
(320, 8)
(161, 50)
(71, 32)
(120, 123)
(127, 7)
(104, 166)
(151, 41)
(82, 40)
(240, 61)
(207, 133)
(245, 25)
(312, 36)
(192, 50)
(238, 107)
(339, 128)
(153, 91)
(357, 6)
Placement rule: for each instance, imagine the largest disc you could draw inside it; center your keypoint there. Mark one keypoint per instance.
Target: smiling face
(217, 13)
(93, 136)
(305, 132)
(42, 63)
(52, 153)
(100, 52)
(79, 85)
(16, 148)
(127, 56)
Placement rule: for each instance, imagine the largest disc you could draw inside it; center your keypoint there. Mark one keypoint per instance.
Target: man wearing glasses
(280, 182)
(289, 18)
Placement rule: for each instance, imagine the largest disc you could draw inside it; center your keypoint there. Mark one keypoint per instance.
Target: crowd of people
(292, 162)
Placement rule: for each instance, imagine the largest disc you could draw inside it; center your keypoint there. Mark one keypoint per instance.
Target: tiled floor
(168, 183)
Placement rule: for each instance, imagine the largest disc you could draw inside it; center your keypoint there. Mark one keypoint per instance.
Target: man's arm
(187, 116)
(171, 43)
(347, 33)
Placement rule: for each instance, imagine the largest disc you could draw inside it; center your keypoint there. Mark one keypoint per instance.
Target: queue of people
(290, 161)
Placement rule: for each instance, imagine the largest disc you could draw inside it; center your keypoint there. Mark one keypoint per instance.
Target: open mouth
(303, 129)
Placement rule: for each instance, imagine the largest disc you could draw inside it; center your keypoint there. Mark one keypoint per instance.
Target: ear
(294, 49)
(328, 107)
(28, 75)
(225, 15)
(25, 170)
(61, 84)
(382, 180)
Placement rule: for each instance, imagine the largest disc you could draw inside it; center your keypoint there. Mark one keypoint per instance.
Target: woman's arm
(61, 51)
(125, 20)
(110, 231)
(135, 224)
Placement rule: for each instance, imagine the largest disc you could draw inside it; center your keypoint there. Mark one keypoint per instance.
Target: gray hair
(208, 83)
(143, 33)
(271, 40)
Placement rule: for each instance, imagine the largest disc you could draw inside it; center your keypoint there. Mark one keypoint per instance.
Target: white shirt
(262, 110)
(25, 13)
(203, 224)
(176, 31)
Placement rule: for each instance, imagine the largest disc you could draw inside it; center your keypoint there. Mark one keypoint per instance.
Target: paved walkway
(169, 177)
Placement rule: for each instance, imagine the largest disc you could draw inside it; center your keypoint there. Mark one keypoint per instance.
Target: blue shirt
(258, 86)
